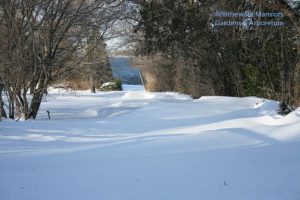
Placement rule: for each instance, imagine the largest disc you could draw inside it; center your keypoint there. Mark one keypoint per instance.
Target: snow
(134, 144)
(108, 84)
(293, 3)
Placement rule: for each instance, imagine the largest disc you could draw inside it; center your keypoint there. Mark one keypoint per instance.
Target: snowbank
(141, 145)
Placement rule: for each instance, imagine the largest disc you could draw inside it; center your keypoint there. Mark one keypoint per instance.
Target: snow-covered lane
(140, 145)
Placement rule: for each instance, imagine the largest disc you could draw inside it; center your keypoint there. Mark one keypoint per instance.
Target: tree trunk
(2, 111)
(35, 104)
(92, 84)
(31, 89)
(297, 81)
(11, 109)
(296, 101)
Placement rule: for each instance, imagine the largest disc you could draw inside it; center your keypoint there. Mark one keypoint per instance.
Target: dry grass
(162, 74)
(157, 73)
(78, 84)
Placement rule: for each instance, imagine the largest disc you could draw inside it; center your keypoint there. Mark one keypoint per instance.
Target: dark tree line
(193, 56)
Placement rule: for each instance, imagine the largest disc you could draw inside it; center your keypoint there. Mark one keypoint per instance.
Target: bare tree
(41, 39)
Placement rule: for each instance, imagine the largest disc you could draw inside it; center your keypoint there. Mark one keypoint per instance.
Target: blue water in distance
(123, 70)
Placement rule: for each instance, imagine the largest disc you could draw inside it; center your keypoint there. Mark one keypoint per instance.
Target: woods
(206, 59)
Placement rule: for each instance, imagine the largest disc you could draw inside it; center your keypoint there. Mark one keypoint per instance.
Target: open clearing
(136, 145)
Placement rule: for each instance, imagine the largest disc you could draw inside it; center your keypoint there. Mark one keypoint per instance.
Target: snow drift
(140, 145)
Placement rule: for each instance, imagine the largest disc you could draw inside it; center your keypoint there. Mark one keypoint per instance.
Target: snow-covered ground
(135, 145)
